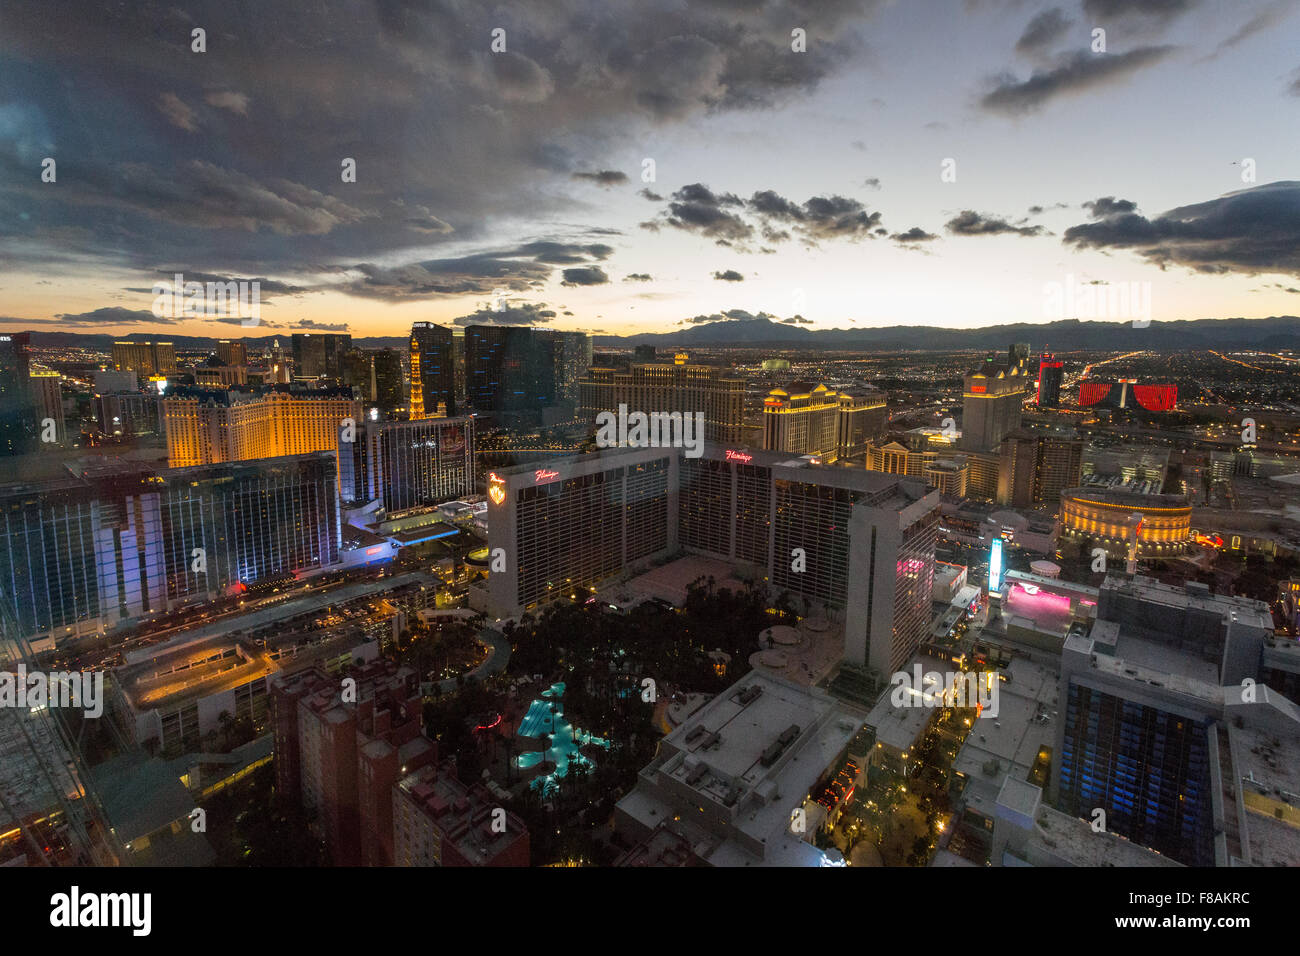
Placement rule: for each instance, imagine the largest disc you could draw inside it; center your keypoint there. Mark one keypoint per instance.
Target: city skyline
(856, 434)
(800, 177)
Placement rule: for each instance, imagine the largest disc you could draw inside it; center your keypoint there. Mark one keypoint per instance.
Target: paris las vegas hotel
(868, 538)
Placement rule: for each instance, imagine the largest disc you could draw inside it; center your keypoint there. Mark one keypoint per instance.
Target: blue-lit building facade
(433, 370)
(406, 465)
(1148, 768)
(87, 553)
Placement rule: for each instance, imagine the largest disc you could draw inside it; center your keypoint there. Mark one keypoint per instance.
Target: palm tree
(227, 724)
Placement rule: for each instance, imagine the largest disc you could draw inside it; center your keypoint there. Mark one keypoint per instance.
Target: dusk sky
(801, 185)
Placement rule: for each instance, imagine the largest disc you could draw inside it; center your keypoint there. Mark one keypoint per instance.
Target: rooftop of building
(935, 435)
(309, 603)
(381, 681)
(899, 728)
(242, 394)
(662, 848)
(1271, 757)
(427, 532)
(1175, 674)
(190, 671)
(1154, 655)
(994, 367)
(753, 752)
(1118, 483)
(904, 489)
(1007, 746)
(1074, 840)
(1192, 595)
(1114, 491)
(1056, 585)
(462, 813)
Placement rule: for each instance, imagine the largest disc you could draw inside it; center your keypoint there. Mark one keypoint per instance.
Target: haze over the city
(807, 185)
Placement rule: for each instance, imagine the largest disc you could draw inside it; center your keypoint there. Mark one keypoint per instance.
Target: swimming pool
(546, 716)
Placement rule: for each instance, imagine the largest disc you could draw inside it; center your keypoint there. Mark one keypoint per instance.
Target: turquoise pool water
(546, 716)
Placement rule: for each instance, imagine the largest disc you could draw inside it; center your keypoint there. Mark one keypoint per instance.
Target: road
(495, 664)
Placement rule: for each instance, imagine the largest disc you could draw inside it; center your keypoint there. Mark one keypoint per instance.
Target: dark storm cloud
(768, 203)
(915, 234)
(527, 266)
(199, 194)
(970, 223)
(265, 287)
(1043, 31)
(1250, 231)
(730, 275)
(560, 253)
(525, 313)
(262, 323)
(1108, 206)
(835, 217)
(731, 315)
(1262, 21)
(637, 277)
(113, 315)
(695, 208)
(231, 159)
(586, 275)
(605, 177)
(721, 217)
(1074, 73)
(1156, 10)
(468, 275)
(819, 218)
(314, 326)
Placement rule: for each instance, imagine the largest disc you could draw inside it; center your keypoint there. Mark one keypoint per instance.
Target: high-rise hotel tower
(660, 387)
(991, 403)
(858, 543)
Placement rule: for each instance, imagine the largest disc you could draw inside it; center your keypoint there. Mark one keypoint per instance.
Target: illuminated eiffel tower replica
(47, 802)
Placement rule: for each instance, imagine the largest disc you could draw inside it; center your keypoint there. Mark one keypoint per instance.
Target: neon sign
(739, 456)
(544, 474)
(496, 488)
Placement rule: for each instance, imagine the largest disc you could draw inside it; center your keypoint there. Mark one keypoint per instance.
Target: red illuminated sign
(739, 456)
(979, 388)
(543, 474)
(1090, 393)
(1156, 398)
(375, 550)
(496, 488)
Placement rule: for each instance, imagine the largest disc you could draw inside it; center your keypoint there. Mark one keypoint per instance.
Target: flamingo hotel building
(858, 543)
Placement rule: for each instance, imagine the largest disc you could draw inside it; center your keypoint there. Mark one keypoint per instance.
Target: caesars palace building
(867, 538)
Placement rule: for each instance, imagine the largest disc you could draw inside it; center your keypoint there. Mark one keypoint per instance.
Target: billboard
(995, 567)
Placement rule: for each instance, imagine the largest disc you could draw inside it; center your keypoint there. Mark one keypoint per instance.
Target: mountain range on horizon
(1067, 335)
